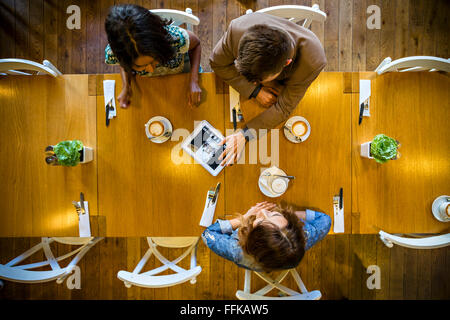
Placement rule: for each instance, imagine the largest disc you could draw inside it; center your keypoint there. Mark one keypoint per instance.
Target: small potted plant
(382, 148)
(69, 153)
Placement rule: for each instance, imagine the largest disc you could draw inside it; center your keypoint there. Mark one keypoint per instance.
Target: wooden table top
(321, 164)
(135, 189)
(141, 190)
(396, 196)
(37, 111)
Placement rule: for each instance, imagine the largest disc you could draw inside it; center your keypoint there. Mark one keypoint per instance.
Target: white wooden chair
(431, 242)
(414, 63)
(150, 279)
(178, 17)
(11, 66)
(272, 284)
(13, 271)
(296, 13)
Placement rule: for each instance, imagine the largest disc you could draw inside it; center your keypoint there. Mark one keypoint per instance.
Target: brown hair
(272, 248)
(263, 51)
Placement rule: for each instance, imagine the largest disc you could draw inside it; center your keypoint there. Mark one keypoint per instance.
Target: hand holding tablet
(235, 144)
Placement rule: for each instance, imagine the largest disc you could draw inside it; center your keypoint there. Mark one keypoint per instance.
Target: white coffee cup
(278, 185)
(444, 210)
(156, 128)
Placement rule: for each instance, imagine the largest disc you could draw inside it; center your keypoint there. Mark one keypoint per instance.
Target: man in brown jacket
(270, 59)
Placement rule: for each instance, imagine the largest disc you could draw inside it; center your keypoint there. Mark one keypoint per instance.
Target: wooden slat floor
(36, 30)
(337, 266)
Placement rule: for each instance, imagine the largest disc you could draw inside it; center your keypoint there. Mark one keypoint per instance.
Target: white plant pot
(365, 150)
(87, 155)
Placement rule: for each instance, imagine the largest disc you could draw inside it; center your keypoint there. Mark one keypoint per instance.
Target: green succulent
(68, 152)
(383, 148)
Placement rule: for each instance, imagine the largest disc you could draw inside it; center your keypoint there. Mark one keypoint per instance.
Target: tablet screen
(206, 146)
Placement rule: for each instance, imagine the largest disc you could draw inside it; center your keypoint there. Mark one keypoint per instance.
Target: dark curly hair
(263, 52)
(133, 31)
(272, 248)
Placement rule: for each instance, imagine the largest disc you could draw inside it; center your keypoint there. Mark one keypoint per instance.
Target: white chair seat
(150, 279)
(289, 294)
(25, 276)
(312, 295)
(178, 17)
(295, 13)
(143, 280)
(10, 66)
(174, 242)
(23, 273)
(432, 242)
(414, 63)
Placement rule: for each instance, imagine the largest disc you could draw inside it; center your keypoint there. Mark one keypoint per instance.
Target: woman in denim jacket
(268, 237)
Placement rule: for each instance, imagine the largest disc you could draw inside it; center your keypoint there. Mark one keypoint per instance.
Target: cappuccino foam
(156, 128)
(279, 185)
(299, 128)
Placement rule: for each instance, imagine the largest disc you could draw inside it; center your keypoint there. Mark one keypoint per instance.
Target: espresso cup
(299, 129)
(444, 210)
(277, 185)
(156, 128)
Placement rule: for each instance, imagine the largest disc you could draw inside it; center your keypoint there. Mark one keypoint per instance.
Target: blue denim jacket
(224, 241)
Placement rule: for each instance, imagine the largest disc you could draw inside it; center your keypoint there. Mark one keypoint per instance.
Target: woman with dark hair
(144, 44)
(268, 237)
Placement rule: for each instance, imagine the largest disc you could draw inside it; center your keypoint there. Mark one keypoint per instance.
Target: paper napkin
(208, 212)
(108, 93)
(364, 94)
(338, 226)
(83, 222)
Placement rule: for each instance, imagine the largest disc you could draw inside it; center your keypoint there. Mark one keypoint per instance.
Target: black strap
(256, 91)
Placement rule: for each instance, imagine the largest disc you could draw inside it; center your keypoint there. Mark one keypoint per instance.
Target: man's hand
(195, 93)
(267, 96)
(235, 146)
(125, 97)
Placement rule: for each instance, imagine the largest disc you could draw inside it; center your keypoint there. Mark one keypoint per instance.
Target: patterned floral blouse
(224, 241)
(176, 65)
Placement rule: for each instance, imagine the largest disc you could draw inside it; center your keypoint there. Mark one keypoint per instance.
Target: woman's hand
(259, 207)
(124, 97)
(195, 94)
(236, 222)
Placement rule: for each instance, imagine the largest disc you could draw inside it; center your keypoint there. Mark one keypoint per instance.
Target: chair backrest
(431, 242)
(178, 17)
(150, 279)
(289, 294)
(296, 13)
(414, 63)
(11, 66)
(13, 271)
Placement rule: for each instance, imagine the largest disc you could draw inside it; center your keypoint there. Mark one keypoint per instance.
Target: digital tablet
(203, 145)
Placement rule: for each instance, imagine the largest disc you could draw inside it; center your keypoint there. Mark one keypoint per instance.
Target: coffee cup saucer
(167, 129)
(263, 187)
(289, 135)
(435, 208)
